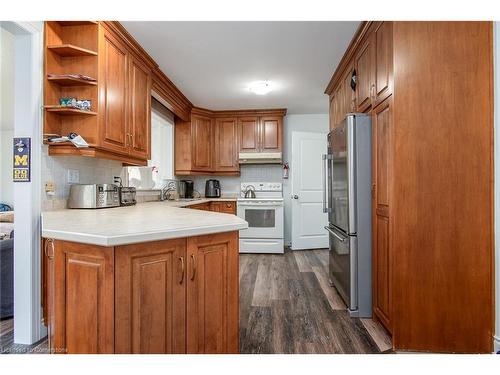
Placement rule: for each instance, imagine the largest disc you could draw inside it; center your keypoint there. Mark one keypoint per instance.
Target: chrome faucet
(171, 186)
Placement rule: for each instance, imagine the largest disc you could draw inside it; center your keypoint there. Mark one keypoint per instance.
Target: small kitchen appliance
(264, 214)
(188, 188)
(93, 196)
(347, 198)
(212, 189)
(127, 196)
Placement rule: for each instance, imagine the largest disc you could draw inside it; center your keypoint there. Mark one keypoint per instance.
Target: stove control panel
(262, 186)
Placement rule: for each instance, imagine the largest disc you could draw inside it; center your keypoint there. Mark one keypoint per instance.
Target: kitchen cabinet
(382, 257)
(271, 134)
(226, 148)
(82, 319)
(139, 129)
(150, 297)
(364, 62)
(383, 62)
(169, 296)
(212, 296)
(201, 206)
(249, 134)
(202, 138)
(113, 94)
(227, 207)
(210, 142)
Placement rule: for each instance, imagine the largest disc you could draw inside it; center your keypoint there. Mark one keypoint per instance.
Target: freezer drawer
(343, 266)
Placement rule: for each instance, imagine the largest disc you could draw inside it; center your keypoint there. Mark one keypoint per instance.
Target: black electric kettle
(212, 189)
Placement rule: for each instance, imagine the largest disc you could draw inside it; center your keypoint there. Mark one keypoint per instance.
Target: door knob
(295, 196)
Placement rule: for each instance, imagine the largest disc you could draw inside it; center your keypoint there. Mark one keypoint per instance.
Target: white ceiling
(212, 63)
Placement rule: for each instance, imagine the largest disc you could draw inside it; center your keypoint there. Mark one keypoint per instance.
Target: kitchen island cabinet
(176, 295)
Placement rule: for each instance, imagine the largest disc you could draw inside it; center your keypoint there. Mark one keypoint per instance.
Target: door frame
(293, 169)
(28, 315)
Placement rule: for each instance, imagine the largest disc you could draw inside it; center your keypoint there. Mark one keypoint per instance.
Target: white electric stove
(264, 215)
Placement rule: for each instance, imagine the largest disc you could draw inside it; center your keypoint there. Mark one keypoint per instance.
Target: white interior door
(308, 219)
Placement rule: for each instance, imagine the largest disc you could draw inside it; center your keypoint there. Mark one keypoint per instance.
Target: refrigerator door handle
(323, 176)
(335, 234)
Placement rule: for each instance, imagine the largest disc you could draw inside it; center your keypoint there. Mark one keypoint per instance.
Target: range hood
(260, 158)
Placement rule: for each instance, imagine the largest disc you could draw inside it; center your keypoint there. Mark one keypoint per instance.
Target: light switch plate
(73, 176)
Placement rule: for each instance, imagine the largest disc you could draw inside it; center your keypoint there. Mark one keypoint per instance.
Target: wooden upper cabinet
(140, 110)
(226, 145)
(113, 94)
(271, 133)
(249, 131)
(364, 64)
(83, 312)
(212, 294)
(150, 298)
(202, 145)
(383, 62)
(349, 94)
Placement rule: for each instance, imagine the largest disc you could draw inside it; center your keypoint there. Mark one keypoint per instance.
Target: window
(161, 165)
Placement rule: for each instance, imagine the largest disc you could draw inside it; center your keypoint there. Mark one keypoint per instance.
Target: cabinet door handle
(181, 259)
(372, 89)
(51, 255)
(193, 263)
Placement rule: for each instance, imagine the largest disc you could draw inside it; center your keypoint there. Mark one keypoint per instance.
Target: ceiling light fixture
(260, 87)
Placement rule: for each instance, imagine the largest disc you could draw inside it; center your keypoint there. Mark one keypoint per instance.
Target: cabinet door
(83, 298)
(339, 104)
(202, 143)
(48, 289)
(349, 94)
(382, 258)
(332, 113)
(215, 206)
(364, 63)
(113, 109)
(383, 62)
(228, 207)
(271, 133)
(150, 297)
(249, 134)
(140, 110)
(212, 294)
(226, 145)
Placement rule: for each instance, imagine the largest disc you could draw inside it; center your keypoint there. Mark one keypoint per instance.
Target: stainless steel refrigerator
(347, 200)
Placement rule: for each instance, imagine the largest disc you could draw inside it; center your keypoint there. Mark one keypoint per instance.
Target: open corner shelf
(70, 50)
(68, 111)
(70, 81)
(76, 23)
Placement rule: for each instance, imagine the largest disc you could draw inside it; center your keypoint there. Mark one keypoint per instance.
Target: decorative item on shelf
(74, 138)
(83, 104)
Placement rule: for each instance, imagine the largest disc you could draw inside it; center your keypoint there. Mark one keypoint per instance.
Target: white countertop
(151, 221)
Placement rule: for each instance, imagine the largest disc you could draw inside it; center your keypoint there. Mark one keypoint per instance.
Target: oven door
(265, 220)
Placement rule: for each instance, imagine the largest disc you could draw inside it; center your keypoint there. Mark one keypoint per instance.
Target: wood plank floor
(288, 306)
(7, 345)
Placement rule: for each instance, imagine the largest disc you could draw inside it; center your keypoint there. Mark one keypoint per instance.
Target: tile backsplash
(249, 173)
(91, 170)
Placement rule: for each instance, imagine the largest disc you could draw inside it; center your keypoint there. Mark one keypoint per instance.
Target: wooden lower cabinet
(171, 296)
(150, 297)
(212, 297)
(82, 313)
(227, 207)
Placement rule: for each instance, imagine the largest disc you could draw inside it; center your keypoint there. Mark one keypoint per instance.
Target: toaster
(93, 196)
(127, 196)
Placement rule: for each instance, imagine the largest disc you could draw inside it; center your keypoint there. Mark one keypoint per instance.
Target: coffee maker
(186, 189)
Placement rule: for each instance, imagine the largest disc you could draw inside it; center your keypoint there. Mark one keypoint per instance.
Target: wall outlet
(50, 188)
(73, 176)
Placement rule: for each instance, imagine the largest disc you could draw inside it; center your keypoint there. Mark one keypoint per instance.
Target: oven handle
(259, 205)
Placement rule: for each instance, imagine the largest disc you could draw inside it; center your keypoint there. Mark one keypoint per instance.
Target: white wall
(317, 123)
(496, 142)
(7, 56)
(55, 169)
